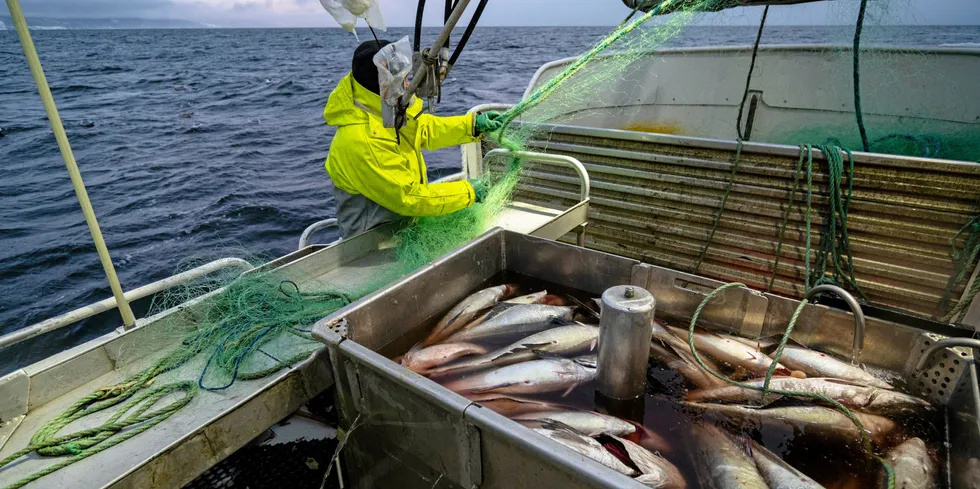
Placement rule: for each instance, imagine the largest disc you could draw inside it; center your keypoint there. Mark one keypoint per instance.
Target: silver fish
(807, 419)
(685, 365)
(529, 377)
(731, 352)
(721, 463)
(912, 465)
(587, 447)
(562, 340)
(519, 318)
(779, 474)
(656, 471)
(851, 394)
(512, 406)
(466, 310)
(816, 364)
(423, 360)
(585, 422)
(535, 298)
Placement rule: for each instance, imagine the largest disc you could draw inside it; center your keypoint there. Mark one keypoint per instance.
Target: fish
(585, 422)
(758, 344)
(512, 406)
(817, 364)
(538, 376)
(562, 340)
(777, 473)
(850, 394)
(913, 467)
(466, 310)
(655, 470)
(683, 362)
(535, 298)
(518, 318)
(425, 359)
(817, 420)
(722, 464)
(731, 352)
(585, 446)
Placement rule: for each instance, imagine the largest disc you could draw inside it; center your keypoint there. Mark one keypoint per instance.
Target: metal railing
(90, 310)
(575, 164)
(304, 239)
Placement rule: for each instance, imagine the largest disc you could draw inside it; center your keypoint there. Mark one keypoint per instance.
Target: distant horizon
(192, 24)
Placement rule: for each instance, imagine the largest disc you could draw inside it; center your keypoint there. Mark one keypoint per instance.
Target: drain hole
(945, 355)
(963, 353)
(952, 371)
(943, 386)
(936, 373)
(928, 391)
(947, 379)
(927, 342)
(942, 365)
(956, 362)
(934, 381)
(940, 393)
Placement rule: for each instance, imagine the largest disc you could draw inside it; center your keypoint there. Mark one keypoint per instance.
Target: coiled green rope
(865, 438)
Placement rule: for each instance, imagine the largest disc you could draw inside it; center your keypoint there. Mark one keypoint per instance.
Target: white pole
(76, 178)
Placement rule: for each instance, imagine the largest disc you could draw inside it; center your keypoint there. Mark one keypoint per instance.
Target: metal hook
(948, 342)
(858, 344)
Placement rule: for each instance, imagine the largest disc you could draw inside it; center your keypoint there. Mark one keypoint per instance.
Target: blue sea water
(204, 141)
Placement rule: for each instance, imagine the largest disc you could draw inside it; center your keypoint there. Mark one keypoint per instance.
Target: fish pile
(551, 348)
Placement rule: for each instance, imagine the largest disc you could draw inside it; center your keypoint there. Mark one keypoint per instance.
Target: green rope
(269, 310)
(865, 438)
(963, 259)
(857, 76)
(748, 79)
(835, 245)
(782, 228)
(721, 209)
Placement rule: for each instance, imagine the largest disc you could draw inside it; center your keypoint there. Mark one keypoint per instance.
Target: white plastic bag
(346, 13)
(394, 63)
(344, 17)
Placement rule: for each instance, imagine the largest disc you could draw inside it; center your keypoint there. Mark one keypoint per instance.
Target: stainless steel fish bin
(404, 430)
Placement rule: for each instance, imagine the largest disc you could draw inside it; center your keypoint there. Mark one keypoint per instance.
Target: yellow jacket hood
(369, 159)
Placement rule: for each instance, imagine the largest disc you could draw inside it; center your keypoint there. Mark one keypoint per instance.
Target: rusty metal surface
(654, 197)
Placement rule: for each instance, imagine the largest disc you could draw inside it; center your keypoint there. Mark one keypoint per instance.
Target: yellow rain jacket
(365, 158)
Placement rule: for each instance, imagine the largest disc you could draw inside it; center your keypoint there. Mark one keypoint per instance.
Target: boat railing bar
(90, 310)
(304, 239)
(129, 320)
(585, 187)
(583, 174)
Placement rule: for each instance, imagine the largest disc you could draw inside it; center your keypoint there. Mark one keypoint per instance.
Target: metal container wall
(408, 431)
(404, 430)
(654, 198)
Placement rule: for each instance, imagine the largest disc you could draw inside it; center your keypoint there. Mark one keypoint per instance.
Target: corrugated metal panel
(654, 198)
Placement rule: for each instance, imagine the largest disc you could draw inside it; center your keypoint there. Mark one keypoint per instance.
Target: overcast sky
(303, 13)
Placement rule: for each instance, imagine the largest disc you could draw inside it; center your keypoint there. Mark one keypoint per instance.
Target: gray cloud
(499, 12)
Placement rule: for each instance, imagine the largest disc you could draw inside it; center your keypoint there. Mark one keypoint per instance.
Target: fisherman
(379, 176)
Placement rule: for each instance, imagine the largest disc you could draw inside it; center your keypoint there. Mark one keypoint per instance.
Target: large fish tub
(405, 430)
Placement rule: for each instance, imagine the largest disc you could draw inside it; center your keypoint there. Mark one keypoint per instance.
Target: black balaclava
(363, 67)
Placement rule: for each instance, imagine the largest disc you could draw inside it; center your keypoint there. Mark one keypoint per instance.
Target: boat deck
(214, 424)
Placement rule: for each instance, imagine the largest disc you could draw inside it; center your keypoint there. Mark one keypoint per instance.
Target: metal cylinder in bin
(625, 331)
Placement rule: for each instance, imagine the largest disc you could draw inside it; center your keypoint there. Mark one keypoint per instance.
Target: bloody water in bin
(835, 464)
